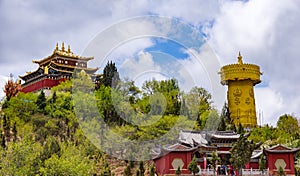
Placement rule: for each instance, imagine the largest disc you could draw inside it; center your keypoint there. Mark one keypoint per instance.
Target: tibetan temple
(56, 68)
(201, 144)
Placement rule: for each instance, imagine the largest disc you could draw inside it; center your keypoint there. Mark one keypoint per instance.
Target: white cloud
(270, 103)
(141, 68)
(203, 67)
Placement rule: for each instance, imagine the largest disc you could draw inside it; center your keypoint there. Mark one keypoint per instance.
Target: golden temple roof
(64, 53)
(240, 71)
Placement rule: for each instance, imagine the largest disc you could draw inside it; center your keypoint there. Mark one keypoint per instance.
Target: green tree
(192, 167)
(141, 168)
(166, 96)
(215, 159)
(288, 124)
(41, 101)
(152, 170)
(241, 152)
(110, 75)
(50, 147)
(213, 120)
(71, 162)
(222, 125)
(240, 129)
(262, 162)
(198, 104)
(178, 171)
(20, 158)
(280, 172)
(138, 172)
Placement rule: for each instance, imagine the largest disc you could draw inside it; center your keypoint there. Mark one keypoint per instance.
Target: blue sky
(168, 46)
(265, 36)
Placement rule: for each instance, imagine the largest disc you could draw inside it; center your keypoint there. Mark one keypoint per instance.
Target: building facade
(56, 68)
(202, 144)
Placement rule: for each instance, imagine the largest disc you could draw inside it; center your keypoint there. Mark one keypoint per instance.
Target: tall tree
(198, 103)
(288, 124)
(214, 161)
(166, 93)
(110, 75)
(41, 101)
(141, 168)
(192, 167)
(241, 152)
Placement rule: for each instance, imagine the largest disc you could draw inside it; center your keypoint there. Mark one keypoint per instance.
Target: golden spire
(240, 61)
(69, 49)
(56, 48)
(63, 46)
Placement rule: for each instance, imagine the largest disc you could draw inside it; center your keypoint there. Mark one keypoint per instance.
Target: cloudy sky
(197, 37)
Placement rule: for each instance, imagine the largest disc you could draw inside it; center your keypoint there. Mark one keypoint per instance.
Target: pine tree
(152, 170)
(141, 168)
(192, 167)
(110, 75)
(240, 129)
(214, 160)
(262, 163)
(41, 101)
(241, 152)
(280, 172)
(138, 172)
(54, 97)
(178, 171)
(222, 125)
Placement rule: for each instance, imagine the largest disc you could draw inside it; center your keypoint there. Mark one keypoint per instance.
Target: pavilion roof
(178, 147)
(224, 135)
(279, 148)
(192, 137)
(52, 64)
(256, 154)
(63, 53)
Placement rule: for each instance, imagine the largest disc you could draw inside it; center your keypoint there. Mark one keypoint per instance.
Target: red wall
(45, 83)
(288, 159)
(164, 164)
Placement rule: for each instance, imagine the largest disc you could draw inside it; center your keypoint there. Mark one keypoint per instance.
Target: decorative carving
(237, 92)
(247, 101)
(280, 163)
(177, 162)
(237, 101)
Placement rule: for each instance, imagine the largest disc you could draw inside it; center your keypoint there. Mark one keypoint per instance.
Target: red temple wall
(288, 159)
(164, 164)
(160, 164)
(45, 83)
(253, 165)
